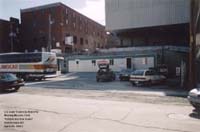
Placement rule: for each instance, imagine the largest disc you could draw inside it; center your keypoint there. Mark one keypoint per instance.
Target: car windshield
(150, 72)
(138, 72)
(126, 71)
(8, 77)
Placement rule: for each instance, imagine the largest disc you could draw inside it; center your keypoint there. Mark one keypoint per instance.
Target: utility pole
(192, 41)
(11, 37)
(49, 46)
(195, 12)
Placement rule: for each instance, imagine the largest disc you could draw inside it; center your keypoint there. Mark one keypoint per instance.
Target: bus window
(21, 58)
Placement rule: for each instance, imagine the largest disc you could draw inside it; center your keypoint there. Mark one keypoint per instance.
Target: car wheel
(195, 106)
(137, 83)
(16, 89)
(149, 83)
(40, 79)
(2, 90)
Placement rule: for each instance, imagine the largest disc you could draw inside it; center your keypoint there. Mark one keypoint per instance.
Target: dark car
(105, 74)
(9, 81)
(124, 74)
(194, 98)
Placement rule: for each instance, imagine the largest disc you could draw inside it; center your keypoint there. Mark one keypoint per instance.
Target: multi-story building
(149, 22)
(57, 26)
(9, 35)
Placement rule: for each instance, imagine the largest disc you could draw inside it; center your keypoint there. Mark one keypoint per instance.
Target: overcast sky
(94, 9)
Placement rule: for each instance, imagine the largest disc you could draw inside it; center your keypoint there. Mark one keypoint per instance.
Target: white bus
(29, 65)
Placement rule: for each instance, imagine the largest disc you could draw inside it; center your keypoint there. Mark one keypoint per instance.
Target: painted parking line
(57, 79)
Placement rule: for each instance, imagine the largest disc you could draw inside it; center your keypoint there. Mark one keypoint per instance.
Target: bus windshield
(21, 58)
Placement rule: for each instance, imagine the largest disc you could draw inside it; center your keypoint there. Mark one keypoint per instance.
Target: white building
(116, 63)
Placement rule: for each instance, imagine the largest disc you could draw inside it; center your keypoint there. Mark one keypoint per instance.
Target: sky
(94, 9)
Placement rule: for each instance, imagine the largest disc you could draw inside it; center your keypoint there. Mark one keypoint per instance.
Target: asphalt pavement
(75, 102)
(87, 81)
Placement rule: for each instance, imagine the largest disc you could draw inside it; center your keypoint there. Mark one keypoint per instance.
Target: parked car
(9, 81)
(148, 77)
(194, 98)
(105, 73)
(124, 74)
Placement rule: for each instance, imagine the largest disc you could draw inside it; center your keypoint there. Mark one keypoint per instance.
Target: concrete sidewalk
(63, 114)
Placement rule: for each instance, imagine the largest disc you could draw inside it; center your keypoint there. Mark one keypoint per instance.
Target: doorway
(128, 63)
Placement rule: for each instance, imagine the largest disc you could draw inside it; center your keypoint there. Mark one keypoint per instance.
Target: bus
(33, 65)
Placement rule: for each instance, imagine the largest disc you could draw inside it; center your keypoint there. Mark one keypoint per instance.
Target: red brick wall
(4, 36)
(5, 40)
(66, 22)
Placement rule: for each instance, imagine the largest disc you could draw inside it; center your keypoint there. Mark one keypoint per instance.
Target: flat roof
(41, 7)
(36, 8)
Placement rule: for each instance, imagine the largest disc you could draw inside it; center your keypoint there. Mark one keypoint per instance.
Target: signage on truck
(9, 66)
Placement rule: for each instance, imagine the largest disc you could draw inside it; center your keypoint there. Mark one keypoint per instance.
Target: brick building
(9, 35)
(57, 26)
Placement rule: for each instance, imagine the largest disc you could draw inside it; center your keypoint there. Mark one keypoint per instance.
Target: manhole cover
(178, 116)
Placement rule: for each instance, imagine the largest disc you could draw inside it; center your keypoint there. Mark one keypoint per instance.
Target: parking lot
(75, 102)
(87, 81)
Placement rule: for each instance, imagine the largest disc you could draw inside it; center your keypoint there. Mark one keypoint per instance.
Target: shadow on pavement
(195, 114)
(7, 92)
(87, 81)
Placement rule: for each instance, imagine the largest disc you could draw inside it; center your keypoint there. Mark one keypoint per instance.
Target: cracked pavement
(66, 114)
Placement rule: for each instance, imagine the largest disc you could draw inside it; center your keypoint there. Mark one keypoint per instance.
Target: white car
(194, 98)
(146, 77)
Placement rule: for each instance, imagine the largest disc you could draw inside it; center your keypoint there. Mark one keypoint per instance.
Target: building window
(81, 41)
(74, 25)
(66, 11)
(57, 44)
(75, 39)
(111, 62)
(67, 22)
(17, 30)
(94, 62)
